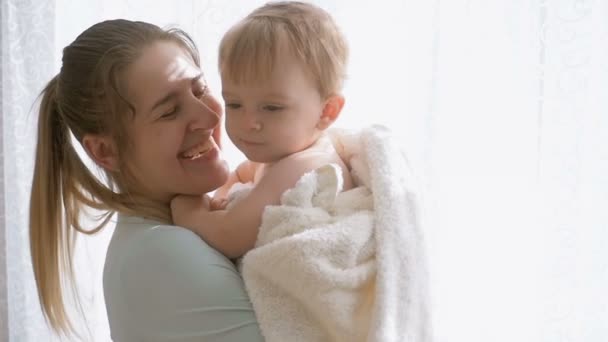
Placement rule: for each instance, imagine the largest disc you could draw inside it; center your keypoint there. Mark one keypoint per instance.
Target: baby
(282, 70)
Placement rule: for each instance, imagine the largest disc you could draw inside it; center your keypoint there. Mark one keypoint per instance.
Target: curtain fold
(28, 29)
(573, 172)
(3, 272)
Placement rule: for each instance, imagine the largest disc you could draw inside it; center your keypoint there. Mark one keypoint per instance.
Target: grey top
(163, 283)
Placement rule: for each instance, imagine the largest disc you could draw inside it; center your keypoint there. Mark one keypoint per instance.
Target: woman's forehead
(158, 71)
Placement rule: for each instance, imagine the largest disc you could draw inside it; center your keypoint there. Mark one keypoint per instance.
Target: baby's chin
(266, 158)
(262, 159)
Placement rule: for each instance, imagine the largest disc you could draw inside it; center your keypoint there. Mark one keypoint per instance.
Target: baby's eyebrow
(227, 94)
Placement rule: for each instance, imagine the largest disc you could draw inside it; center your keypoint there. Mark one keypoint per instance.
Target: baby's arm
(233, 232)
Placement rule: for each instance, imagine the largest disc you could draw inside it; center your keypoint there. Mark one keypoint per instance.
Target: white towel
(344, 266)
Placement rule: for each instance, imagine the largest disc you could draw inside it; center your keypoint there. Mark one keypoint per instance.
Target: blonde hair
(249, 49)
(85, 97)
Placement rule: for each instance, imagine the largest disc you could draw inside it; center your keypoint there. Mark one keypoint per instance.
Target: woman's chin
(221, 177)
(211, 179)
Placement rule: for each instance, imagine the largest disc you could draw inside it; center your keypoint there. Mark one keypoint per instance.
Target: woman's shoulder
(161, 280)
(137, 242)
(162, 257)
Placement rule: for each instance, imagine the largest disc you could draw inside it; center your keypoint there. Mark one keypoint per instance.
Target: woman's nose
(206, 114)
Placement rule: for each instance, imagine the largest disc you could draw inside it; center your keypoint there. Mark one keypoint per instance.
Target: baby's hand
(185, 207)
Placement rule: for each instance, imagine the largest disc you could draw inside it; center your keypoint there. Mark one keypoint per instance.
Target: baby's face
(276, 117)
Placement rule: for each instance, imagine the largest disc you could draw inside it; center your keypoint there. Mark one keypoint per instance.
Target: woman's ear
(102, 150)
(331, 111)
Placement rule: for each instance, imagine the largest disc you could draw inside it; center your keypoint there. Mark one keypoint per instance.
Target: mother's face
(174, 150)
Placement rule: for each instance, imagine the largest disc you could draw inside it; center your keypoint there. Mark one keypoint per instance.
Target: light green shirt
(163, 283)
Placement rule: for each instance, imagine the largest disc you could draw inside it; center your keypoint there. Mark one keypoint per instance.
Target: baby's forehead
(251, 76)
(242, 78)
(255, 60)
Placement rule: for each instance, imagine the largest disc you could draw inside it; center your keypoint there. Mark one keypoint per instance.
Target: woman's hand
(184, 209)
(198, 214)
(218, 203)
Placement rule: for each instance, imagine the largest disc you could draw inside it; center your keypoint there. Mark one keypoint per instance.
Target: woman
(134, 97)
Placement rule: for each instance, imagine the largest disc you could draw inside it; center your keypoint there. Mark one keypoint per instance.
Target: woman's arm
(177, 288)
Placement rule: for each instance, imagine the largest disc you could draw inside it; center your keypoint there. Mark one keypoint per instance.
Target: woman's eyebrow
(162, 101)
(197, 78)
(171, 95)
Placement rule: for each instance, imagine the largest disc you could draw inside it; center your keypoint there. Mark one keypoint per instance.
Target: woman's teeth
(199, 150)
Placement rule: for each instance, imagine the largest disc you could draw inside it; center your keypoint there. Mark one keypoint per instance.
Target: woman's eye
(272, 108)
(169, 114)
(203, 91)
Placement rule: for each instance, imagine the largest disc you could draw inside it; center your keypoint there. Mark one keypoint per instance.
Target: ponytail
(50, 243)
(62, 185)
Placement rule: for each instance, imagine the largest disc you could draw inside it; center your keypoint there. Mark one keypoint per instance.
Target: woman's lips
(201, 150)
(211, 154)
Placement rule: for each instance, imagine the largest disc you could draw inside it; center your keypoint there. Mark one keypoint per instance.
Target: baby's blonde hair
(249, 49)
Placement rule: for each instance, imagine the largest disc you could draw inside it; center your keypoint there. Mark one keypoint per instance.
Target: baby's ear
(331, 111)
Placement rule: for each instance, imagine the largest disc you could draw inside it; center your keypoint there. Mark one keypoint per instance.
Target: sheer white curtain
(27, 43)
(500, 104)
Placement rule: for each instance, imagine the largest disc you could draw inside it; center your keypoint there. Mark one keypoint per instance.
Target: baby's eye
(272, 108)
(230, 105)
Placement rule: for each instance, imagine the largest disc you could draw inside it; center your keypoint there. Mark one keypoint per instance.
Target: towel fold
(344, 266)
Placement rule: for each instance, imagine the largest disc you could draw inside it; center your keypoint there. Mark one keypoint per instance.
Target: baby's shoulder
(298, 164)
(306, 160)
